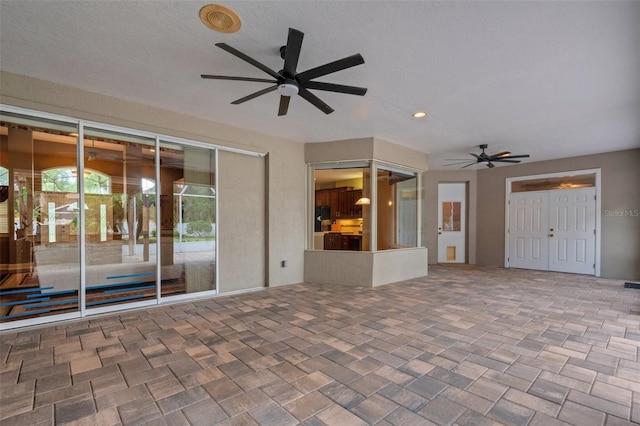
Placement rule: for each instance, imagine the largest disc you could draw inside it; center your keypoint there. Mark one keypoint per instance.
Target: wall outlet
(283, 263)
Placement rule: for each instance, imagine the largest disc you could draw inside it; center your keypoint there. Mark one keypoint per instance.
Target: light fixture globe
(288, 88)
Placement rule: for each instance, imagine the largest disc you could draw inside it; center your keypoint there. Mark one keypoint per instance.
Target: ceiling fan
(497, 157)
(288, 82)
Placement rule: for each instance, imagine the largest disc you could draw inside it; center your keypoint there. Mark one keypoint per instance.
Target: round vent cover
(220, 18)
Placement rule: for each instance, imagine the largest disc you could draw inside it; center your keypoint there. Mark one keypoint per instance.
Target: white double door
(553, 230)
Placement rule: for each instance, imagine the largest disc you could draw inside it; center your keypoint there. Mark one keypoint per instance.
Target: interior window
(397, 208)
(342, 207)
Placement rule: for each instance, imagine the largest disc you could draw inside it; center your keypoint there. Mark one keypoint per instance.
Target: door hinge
(508, 259)
(594, 266)
(594, 232)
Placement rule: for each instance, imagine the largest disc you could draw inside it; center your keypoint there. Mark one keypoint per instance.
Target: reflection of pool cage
(194, 202)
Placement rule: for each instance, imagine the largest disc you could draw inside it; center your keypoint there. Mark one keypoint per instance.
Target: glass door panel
(39, 256)
(188, 219)
(119, 218)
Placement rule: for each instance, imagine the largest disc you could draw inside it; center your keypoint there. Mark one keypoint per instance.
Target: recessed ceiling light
(220, 18)
(419, 114)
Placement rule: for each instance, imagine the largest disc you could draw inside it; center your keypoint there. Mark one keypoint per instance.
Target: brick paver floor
(463, 346)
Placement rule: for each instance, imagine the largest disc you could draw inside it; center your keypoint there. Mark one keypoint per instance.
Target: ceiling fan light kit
(289, 82)
(288, 89)
(483, 157)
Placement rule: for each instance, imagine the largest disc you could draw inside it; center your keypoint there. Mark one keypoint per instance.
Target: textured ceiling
(552, 79)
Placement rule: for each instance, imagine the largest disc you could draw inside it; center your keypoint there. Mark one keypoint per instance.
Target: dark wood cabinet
(333, 241)
(341, 201)
(323, 197)
(338, 241)
(352, 242)
(343, 208)
(356, 210)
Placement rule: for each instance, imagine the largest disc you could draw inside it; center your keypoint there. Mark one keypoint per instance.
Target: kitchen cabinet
(356, 210)
(347, 207)
(338, 241)
(333, 241)
(352, 242)
(323, 197)
(341, 201)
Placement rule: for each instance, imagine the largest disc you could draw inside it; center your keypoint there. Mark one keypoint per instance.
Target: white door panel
(452, 222)
(528, 217)
(553, 230)
(572, 227)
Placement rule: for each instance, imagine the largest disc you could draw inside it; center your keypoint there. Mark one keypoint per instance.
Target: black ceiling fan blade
(292, 52)
(315, 101)
(339, 88)
(470, 164)
(284, 105)
(458, 162)
(331, 67)
(475, 155)
(516, 156)
(249, 59)
(255, 95)
(500, 160)
(490, 165)
(227, 77)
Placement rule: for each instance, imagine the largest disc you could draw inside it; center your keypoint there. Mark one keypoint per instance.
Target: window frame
(374, 165)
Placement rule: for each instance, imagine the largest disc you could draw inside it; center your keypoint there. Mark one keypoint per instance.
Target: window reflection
(188, 228)
(124, 219)
(397, 208)
(39, 261)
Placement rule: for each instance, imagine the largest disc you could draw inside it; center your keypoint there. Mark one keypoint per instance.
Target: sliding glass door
(188, 219)
(39, 254)
(120, 220)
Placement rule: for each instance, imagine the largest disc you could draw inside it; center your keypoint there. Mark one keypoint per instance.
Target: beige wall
(241, 207)
(387, 151)
(365, 149)
(365, 269)
(392, 266)
(351, 149)
(620, 244)
(285, 173)
(430, 219)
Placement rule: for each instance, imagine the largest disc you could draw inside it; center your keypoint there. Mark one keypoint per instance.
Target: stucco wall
(353, 269)
(391, 266)
(344, 150)
(620, 243)
(285, 174)
(365, 269)
(365, 149)
(242, 237)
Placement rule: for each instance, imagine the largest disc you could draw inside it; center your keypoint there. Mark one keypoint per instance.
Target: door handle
(551, 235)
(439, 233)
(551, 229)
